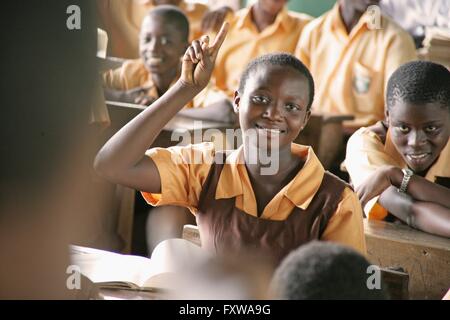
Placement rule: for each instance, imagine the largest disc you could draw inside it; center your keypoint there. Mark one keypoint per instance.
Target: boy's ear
(307, 116)
(386, 115)
(236, 101)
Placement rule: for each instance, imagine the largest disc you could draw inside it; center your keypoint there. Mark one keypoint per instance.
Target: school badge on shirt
(361, 84)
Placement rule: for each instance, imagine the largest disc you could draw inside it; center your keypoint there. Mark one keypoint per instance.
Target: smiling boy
(163, 41)
(402, 166)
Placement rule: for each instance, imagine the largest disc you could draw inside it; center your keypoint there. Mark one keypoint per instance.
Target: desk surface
(178, 122)
(405, 234)
(425, 257)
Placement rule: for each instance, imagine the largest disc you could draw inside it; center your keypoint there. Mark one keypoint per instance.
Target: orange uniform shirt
(351, 71)
(244, 42)
(366, 153)
(183, 170)
(122, 21)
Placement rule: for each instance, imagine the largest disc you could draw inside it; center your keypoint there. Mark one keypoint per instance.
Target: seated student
(266, 26)
(122, 20)
(324, 271)
(237, 200)
(163, 41)
(351, 59)
(403, 163)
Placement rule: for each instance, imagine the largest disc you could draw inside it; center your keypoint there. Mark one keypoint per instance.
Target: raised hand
(199, 59)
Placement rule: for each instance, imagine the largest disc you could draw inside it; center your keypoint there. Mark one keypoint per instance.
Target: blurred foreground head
(323, 270)
(48, 72)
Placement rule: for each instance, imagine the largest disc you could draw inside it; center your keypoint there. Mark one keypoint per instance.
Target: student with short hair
(163, 41)
(122, 20)
(324, 271)
(239, 204)
(401, 166)
(264, 27)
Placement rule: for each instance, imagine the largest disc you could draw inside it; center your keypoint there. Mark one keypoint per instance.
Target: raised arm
(122, 159)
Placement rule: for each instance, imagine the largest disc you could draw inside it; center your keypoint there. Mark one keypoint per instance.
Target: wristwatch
(407, 174)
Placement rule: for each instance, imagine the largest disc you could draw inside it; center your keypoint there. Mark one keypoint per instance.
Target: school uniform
(314, 205)
(244, 43)
(351, 71)
(134, 74)
(366, 153)
(122, 19)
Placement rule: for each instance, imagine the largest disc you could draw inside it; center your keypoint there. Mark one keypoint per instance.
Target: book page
(105, 266)
(170, 260)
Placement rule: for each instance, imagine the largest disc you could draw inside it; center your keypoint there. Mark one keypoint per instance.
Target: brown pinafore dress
(225, 229)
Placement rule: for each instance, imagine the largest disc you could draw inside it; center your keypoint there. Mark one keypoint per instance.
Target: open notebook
(169, 260)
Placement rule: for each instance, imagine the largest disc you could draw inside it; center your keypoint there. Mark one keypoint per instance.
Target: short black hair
(174, 16)
(419, 82)
(283, 60)
(324, 270)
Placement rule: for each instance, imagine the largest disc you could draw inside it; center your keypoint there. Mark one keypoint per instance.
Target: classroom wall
(312, 7)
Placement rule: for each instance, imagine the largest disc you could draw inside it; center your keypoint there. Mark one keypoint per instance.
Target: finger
(204, 40)
(191, 54)
(187, 66)
(214, 48)
(197, 49)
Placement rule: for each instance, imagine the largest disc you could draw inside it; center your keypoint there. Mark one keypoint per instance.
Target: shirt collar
(300, 191)
(337, 24)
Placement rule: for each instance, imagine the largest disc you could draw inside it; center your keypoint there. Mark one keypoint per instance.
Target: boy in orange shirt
(122, 20)
(163, 41)
(238, 204)
(401, 165)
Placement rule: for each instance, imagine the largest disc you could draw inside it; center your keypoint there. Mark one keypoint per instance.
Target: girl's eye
(430, 129)
(260, 100)
(403, 129)
(292, 107)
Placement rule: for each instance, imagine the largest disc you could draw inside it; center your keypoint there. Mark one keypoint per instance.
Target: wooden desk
(425, 257)
(122, 113)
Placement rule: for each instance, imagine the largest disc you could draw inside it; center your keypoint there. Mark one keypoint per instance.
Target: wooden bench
(424, 257)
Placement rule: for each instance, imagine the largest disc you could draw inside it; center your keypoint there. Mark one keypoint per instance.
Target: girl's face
(419, 132)
(273, 105)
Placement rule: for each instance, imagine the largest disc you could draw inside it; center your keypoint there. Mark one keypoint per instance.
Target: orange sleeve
(182, 170)
(346, 224)
(130, 75)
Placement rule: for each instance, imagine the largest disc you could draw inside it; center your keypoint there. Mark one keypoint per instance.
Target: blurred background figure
(50, 77)
(324, 270)
(417, 16)
(122, 20)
